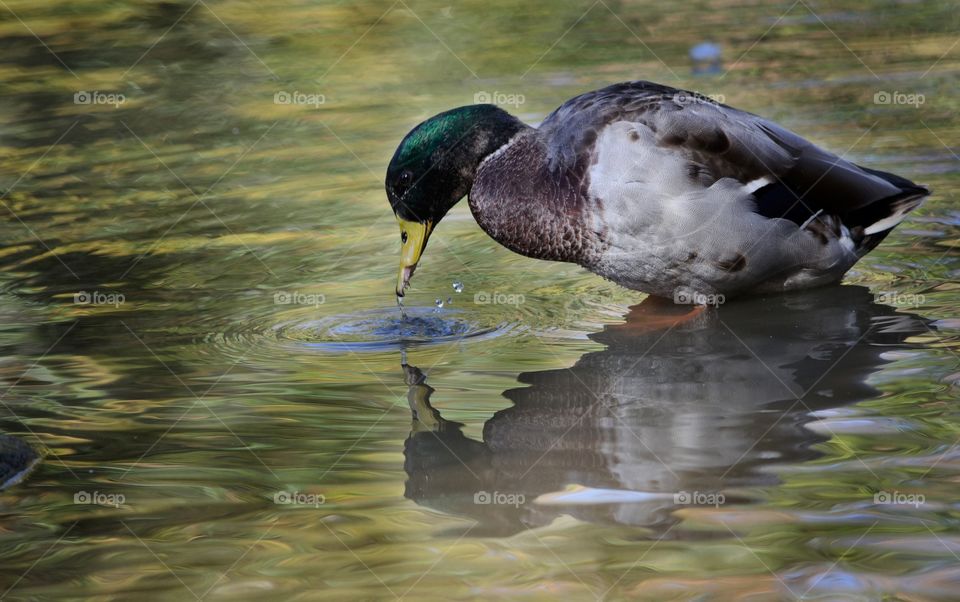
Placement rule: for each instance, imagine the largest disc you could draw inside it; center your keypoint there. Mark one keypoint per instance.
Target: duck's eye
(403, 237)
(403, 183)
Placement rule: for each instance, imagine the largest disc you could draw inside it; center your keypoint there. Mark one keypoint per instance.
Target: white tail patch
(810, 220)
(895, 218)
(754, 185)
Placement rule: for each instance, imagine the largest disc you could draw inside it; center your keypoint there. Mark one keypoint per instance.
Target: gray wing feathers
(728, 142)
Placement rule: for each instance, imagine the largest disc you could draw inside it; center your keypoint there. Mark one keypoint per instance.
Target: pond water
(202, 344)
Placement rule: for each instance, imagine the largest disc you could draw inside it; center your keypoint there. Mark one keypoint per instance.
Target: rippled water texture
(384, 329)
(209, 391)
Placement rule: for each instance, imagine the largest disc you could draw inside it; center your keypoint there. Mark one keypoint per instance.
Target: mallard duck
(657, 189)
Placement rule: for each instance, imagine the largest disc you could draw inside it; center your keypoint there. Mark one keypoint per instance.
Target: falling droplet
(458, 286)
(403, 312)
(439, 303)
(449, 300)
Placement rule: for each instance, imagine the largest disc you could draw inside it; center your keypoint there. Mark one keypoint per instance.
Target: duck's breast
(525, 206)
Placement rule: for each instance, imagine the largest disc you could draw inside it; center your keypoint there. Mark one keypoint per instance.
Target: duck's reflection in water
(696, 406)
(17, 460)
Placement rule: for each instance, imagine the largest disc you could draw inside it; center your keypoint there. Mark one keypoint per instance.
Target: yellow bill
(413, 236)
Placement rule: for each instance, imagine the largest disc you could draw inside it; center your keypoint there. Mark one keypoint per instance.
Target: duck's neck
(476, 132)
(532, 209)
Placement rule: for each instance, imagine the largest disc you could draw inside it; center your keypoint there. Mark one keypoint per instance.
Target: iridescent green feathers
(434, 165)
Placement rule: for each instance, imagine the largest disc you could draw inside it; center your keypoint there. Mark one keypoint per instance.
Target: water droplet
(438, 303)
(458, 286)
(449, 300)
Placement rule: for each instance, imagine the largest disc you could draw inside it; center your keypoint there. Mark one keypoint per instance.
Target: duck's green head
(434, 167)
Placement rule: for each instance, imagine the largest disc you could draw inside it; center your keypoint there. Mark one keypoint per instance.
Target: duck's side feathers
(718, 141)
(724, 141)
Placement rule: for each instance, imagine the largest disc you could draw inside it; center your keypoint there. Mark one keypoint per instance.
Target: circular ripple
(256, 340)
(384, 329)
